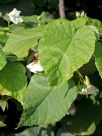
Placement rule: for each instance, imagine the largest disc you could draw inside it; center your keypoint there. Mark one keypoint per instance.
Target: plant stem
(61, 9)
(80, 76)
(8, 23)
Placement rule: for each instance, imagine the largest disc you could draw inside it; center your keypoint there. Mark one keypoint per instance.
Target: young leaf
(43, 105)
(20, 42)
(3, 60)
(63, 49)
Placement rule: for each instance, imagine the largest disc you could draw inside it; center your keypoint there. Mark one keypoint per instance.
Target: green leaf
(30, 20)
(36, 131)
(2, 124)
(33, 131)
(87, 116)
(3, 38)
(98, 58)
(3, 60)
(63, 49)
(43, 105)
(13, 80)
(94, 22)
(80, 22)
(20, 42)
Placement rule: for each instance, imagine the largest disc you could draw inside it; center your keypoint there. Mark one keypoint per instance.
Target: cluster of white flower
(80, 14)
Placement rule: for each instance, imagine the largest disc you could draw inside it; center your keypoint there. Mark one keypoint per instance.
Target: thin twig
(61, 9)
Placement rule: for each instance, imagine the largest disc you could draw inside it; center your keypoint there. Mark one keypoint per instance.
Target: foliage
(64, 99)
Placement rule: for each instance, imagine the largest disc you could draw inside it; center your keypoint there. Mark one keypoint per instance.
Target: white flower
(83, 14)
(15, 16)
(84, 90)
(80, 14)
(77, 14)
(90, 89)
(35, 67)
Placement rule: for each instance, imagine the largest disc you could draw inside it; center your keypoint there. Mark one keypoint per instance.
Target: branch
(61, 9)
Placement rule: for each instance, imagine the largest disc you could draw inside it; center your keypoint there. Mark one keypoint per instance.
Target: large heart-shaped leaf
(64, 48)
(21, 41)
(13, 80)
(43, 105)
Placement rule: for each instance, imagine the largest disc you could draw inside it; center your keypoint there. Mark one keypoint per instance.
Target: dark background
(93, 8)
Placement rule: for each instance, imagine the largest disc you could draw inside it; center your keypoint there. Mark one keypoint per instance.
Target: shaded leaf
(36, 131)
(84, 122)
(13, 80)
(43, 105)
(3, 38)
(98, 58)
(2, 124)
(3, 60)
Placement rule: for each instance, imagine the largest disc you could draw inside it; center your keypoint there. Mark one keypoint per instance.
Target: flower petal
(35, 67)
(15, 17)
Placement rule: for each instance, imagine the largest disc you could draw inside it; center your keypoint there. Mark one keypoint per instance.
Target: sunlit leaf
(62, 49)
(21, 41)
